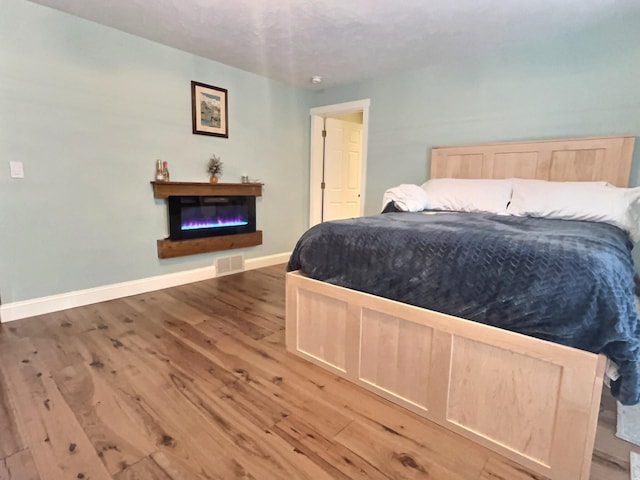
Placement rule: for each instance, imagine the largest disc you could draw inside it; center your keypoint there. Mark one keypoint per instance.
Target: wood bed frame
(530, 400)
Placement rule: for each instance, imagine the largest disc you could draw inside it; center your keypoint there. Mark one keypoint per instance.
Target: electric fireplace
(210, 216)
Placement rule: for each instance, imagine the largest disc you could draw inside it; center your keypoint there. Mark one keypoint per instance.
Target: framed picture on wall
(209, 110)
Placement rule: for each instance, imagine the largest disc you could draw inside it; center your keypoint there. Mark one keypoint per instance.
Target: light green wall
(88, 110)
(574, 84)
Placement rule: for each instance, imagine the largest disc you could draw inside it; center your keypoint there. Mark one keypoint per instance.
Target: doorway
(338, 161)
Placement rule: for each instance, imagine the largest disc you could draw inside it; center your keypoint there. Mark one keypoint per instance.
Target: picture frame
(209, 110)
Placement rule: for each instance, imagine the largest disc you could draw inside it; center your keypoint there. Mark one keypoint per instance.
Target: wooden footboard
(533, 401)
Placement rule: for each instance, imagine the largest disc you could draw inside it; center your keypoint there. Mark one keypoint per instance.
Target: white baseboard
(267, 261)
(54, 303)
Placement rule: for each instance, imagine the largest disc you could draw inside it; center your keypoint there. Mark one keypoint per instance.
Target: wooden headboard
(560, 160)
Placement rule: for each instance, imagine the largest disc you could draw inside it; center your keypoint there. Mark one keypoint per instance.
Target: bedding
(569, 282)
(591, 201)
(468, 194)
(406, 198)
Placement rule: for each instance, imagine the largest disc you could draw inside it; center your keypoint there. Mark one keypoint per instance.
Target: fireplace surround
(221, 214)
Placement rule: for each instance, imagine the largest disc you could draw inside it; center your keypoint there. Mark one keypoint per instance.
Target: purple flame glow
(213, 223)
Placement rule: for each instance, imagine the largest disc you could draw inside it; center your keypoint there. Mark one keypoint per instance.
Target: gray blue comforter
(569, 282)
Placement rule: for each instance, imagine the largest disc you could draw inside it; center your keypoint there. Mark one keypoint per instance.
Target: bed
(532, 400)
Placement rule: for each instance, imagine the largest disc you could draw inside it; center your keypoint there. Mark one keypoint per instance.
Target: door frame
(318, 114)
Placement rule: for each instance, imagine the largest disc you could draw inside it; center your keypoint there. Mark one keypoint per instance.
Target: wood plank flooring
(193, 382)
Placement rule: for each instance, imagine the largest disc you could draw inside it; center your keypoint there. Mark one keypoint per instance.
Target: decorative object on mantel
(209, 110)
(165, 171)
(159, 172)
(214, 167)
(162, 171)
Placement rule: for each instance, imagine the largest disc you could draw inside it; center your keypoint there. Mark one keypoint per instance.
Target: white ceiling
(343, 41)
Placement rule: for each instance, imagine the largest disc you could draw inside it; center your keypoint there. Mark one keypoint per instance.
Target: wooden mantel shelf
(165, 189)
(177, 248)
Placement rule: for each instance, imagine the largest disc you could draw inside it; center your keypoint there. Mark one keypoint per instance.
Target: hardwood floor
(193, 382)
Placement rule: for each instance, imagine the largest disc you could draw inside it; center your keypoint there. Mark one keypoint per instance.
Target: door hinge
(323, 185)
(324, 133)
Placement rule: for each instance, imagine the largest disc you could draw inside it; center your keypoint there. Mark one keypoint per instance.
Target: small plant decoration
(214, 167)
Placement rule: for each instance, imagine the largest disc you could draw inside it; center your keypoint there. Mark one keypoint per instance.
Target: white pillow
(406, 197)
(468, 195)
(590, 201)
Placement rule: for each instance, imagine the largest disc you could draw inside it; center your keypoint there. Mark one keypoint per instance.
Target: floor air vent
(228, 265)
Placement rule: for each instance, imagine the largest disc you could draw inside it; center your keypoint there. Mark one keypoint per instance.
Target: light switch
(17, 170)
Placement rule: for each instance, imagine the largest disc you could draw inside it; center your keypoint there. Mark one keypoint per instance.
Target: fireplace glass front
(205, 216)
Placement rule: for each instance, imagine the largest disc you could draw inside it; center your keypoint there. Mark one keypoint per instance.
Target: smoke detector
(316, 79)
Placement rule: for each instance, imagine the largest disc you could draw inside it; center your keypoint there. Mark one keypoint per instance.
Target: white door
(342, 170)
